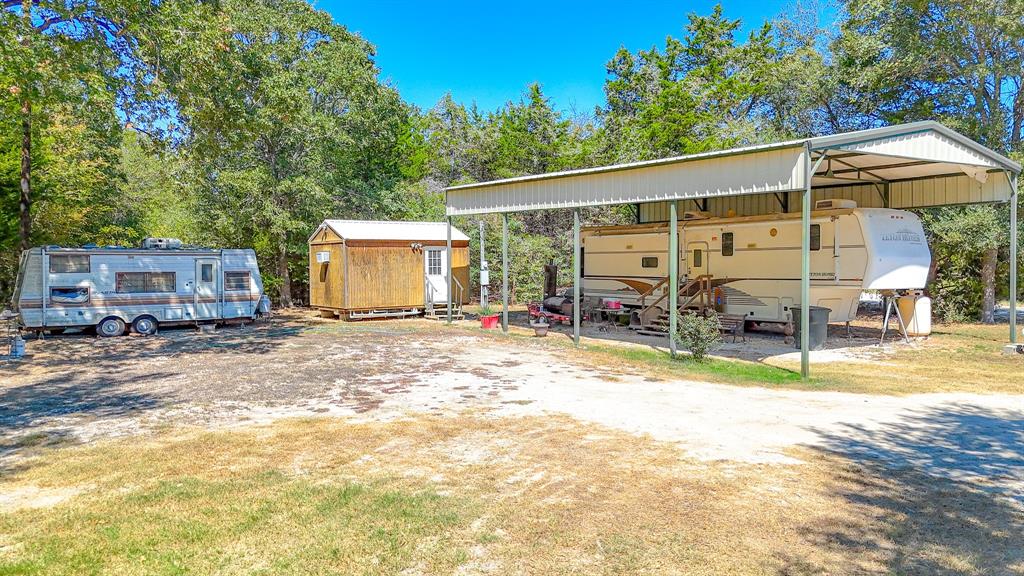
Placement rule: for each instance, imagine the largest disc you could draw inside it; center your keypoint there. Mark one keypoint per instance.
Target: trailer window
(139, 282)
(649, 262)
(206, 273)
(698, 258)
(815, 236)
(69, 264)
(727, 244)
(236, 281)
(69, 294)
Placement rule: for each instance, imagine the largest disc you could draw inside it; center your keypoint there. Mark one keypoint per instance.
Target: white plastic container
(18, 347)
(917, 314)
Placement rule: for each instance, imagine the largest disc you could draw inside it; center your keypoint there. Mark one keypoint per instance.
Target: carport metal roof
(904, 166)
(921, 164)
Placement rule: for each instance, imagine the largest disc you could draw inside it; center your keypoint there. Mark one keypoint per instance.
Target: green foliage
(698, 334)
(244, 123)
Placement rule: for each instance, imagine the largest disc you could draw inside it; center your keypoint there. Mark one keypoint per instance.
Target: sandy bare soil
(77, 388)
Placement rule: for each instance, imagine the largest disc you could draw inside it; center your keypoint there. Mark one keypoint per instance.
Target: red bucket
(489, 322)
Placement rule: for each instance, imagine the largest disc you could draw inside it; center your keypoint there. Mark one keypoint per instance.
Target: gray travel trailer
(113, 288)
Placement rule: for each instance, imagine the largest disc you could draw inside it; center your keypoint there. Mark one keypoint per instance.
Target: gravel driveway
(77, 388)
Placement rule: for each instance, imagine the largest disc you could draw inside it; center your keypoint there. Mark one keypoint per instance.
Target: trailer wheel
(110, 327)
(144, 325)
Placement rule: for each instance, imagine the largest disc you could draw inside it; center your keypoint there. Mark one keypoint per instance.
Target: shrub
(698, 334)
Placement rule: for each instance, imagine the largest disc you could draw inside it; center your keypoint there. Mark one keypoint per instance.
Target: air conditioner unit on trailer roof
(834, 204)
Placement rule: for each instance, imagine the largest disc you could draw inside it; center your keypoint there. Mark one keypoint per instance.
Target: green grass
(261, 522)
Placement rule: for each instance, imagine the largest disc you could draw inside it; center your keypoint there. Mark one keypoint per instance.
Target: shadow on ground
(941, 492)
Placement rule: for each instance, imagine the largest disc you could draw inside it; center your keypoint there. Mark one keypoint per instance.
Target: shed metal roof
(900, 153)
(391, 230)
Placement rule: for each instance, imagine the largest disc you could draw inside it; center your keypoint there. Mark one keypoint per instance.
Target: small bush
(698, 334)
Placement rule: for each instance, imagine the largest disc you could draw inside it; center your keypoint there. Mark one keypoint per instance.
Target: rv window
(236, 281)
(727, 244)
(139, 282)
(69, 263)
(206, 271)
(434, 263)
(698, 258)
(649, 262)
(815, 236)
(69, 295)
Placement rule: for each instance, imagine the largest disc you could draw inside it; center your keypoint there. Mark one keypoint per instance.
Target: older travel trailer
(752, 264)
(159, 283)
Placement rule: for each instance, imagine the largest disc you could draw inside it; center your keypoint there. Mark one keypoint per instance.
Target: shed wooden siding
(330, 292)
(376, 274)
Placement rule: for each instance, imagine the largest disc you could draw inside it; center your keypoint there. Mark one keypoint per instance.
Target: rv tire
(110, 327)
(144, 325)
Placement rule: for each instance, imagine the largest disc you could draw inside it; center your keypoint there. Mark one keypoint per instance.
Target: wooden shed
(367, 269)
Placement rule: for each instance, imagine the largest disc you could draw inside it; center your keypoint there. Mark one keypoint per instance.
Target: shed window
(141, 282)
(236, 281)
(815, 236)
(434, 263)
(727, 244)
(69, 264)
(698, 258)
(649, 262)
(69, 294)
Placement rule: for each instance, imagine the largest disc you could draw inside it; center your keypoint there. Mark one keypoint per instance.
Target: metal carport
(917, 165)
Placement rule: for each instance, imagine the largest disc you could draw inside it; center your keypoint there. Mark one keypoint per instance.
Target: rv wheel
(110, 327)
(144, 325)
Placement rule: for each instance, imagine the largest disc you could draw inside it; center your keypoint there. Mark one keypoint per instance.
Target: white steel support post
(576, 277)
(673, 276)
(504, 272)
(448, 278)
(483, 260)
(1013, 258)
(805, 265)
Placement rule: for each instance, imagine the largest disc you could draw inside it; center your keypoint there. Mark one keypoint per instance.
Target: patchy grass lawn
(480, 495)
(955, 358)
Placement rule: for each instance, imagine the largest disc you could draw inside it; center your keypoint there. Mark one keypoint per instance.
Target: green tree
(957, 61)
(296, 128)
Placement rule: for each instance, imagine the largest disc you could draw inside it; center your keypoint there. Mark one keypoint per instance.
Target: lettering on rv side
(904, 235)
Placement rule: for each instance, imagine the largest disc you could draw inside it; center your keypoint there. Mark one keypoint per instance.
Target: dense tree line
(245, 123)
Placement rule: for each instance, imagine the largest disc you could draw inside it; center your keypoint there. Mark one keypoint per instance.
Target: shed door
(207, 291)
(435, 266)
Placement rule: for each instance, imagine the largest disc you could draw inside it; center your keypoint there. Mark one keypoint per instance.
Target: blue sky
(489, 52)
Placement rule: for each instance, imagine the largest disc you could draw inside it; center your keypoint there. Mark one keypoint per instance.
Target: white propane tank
(917, 314)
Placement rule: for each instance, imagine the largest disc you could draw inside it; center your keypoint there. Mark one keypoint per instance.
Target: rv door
(206, 294)
(696, 259)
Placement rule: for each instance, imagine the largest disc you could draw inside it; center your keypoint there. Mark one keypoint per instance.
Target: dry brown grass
(480, 495)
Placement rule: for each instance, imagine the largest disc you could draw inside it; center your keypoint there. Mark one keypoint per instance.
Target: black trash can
(818, 326)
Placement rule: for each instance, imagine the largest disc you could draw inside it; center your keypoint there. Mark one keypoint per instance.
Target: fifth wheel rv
(753, 263)
(114, 288)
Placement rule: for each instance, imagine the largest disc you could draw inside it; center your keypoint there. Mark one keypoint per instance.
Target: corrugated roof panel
(391, 230)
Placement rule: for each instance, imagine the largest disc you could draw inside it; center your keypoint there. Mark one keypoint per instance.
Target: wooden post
(576, 277)
(673, 276)
(448, 279)
(504, 272)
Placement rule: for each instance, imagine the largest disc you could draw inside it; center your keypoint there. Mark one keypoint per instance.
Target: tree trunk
(25, 202)
(988, 282)
(285, 292)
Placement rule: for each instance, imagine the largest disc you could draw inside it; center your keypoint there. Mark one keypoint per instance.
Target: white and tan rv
(753, 263)
(112, 288)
